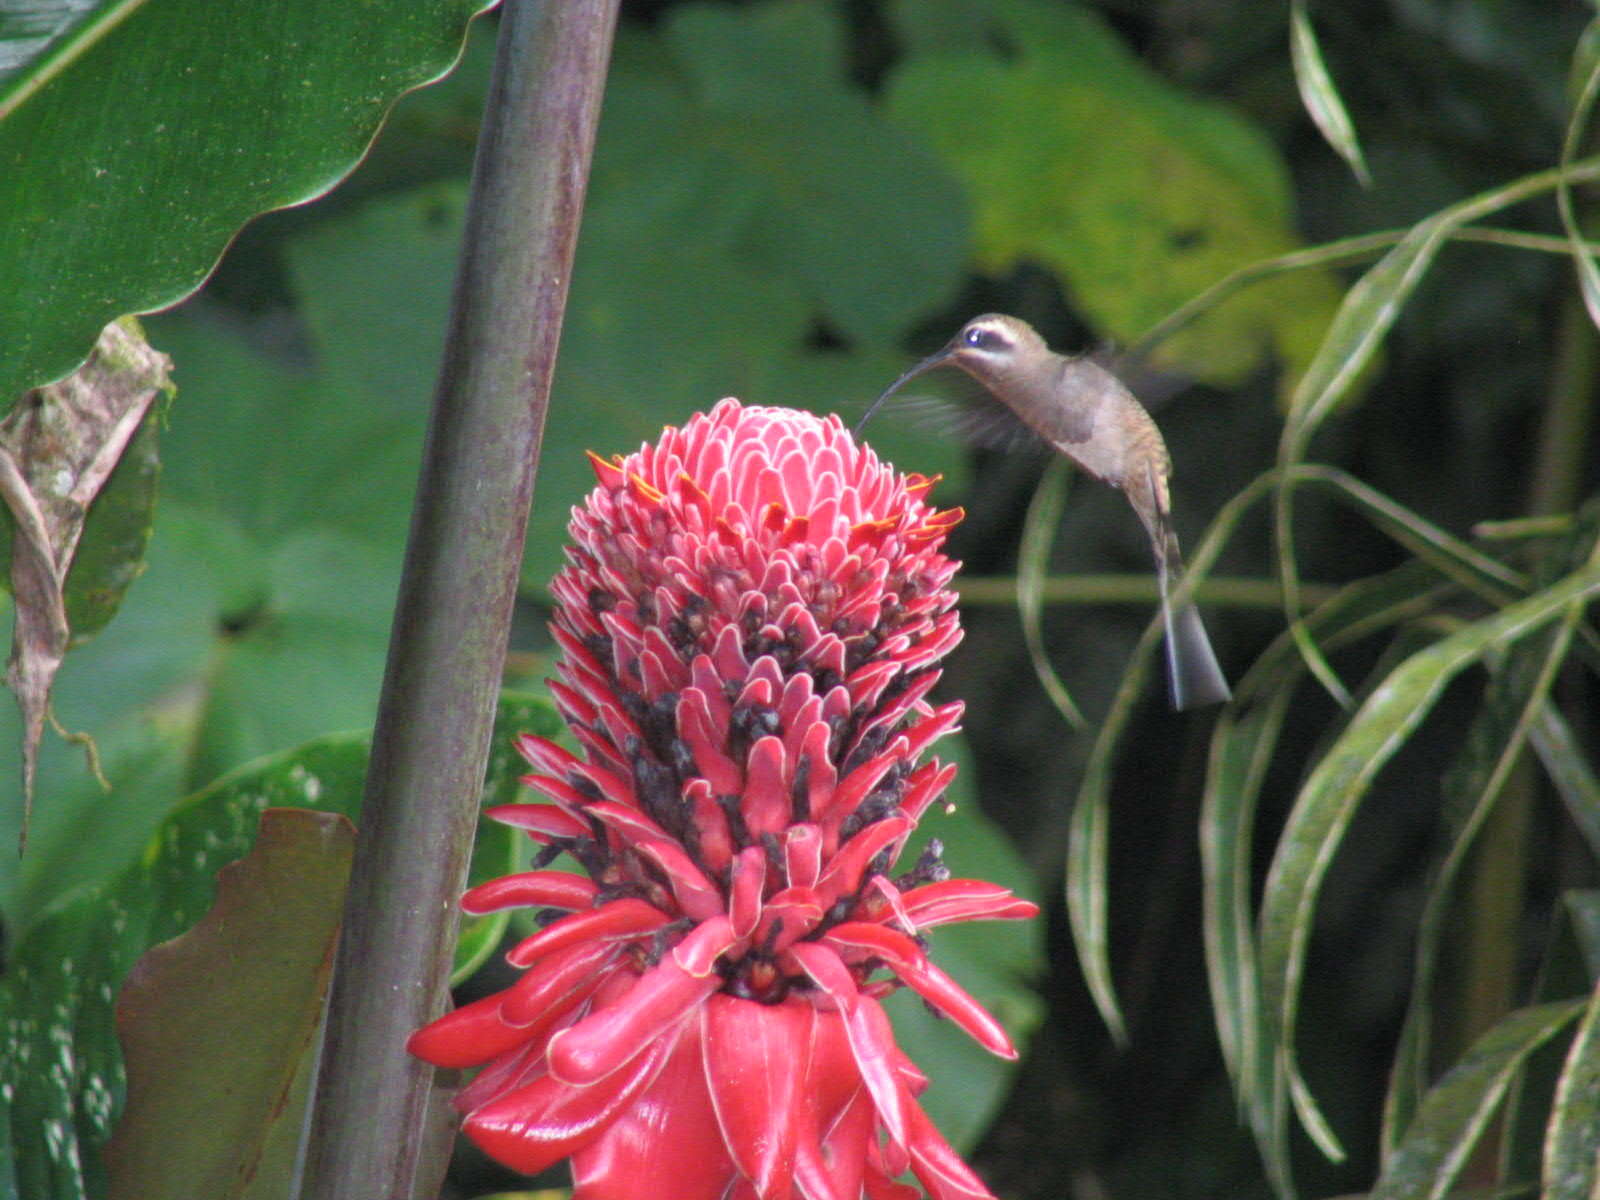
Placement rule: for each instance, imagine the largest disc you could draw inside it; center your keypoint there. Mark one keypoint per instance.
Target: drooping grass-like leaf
(1085, 871)
(1569, 967)
(1583, 105)
(1328, 800)
(1319, 95)
(1564, 761)
(1242, 746)
(110, 206)
(57, 995)
(1572, 1138)
(1456, 1110)
(1517, 696)
(1364, 319)
(1033, 564)
(1088, 827)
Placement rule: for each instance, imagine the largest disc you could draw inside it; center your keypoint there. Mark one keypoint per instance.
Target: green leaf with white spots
(61, 1077)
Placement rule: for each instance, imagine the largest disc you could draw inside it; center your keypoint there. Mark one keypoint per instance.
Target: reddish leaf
(217, 1025)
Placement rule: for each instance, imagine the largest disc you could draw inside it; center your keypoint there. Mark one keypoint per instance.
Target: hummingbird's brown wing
(954, 405)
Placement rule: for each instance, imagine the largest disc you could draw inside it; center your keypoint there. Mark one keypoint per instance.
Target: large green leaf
(1077, 156)
(56, 996)
(682, 291)
(123, 176)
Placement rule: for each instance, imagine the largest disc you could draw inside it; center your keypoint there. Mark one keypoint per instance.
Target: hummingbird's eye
(980, 338)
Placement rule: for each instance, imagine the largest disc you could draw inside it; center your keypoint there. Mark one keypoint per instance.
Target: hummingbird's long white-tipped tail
(1194, 679)
(1192, 671)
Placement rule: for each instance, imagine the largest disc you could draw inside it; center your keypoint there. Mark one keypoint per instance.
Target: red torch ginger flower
(754, 612)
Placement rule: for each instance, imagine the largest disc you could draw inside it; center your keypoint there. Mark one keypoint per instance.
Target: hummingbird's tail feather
(1194, 679)
(1192, 671)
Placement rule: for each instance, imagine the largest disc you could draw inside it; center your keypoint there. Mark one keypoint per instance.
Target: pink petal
(843, 873)
(795, 912)
(544, 821)
(547, 889)
(538, 1125)
(869, 1032)
(667, 1143)
(858, 940)
(748, 882)
(472, 1034)
(890, 895)
(938, 1166)
(661, 998)
(840, 1120)
(765, 802)
(945, 719)
(545, 755)
(853, 788)
(704, 735)
(757, 1057)
(925, 785)
(711, 825)
(555, 985)
(699, 899)
(619, 920)
(802, 855)
(965, 900)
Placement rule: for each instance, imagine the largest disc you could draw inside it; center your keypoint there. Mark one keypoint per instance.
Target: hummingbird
(1085, 412)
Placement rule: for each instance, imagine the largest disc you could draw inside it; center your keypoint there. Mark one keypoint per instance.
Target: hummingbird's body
(1085, 412)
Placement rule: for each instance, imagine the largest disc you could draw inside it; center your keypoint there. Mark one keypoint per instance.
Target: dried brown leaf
(58, 447)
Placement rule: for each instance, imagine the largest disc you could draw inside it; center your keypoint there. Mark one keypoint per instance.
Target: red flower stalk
(754, 612)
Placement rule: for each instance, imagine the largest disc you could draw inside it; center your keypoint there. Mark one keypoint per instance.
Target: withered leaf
(59, 447)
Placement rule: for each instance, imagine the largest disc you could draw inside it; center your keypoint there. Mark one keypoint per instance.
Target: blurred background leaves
(790, 201)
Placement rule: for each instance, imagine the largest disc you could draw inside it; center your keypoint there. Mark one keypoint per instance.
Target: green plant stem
(986, 591)
(431, 740)
(1341, 253)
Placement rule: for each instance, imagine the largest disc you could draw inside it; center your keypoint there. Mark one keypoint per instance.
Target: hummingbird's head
(995, 345)
(998, 351)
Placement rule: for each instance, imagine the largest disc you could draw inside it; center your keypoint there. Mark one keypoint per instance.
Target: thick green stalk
(448, 648)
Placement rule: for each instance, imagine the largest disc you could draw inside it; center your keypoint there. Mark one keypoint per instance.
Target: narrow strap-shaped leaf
(1569, 770)
(1369, 310)
(1455, 1111)
(1033, 563)
(1329, 799)
(1241, 748)
(1319, 95)
(1582, 259)
(1527, 691)
(1572, 1139)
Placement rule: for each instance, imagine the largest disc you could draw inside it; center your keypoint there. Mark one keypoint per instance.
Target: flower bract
(752, 618)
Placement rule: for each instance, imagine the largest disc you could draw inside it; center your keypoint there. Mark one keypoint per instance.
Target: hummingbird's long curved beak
(937, 359)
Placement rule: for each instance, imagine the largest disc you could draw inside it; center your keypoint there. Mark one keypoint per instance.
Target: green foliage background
(790, 200)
